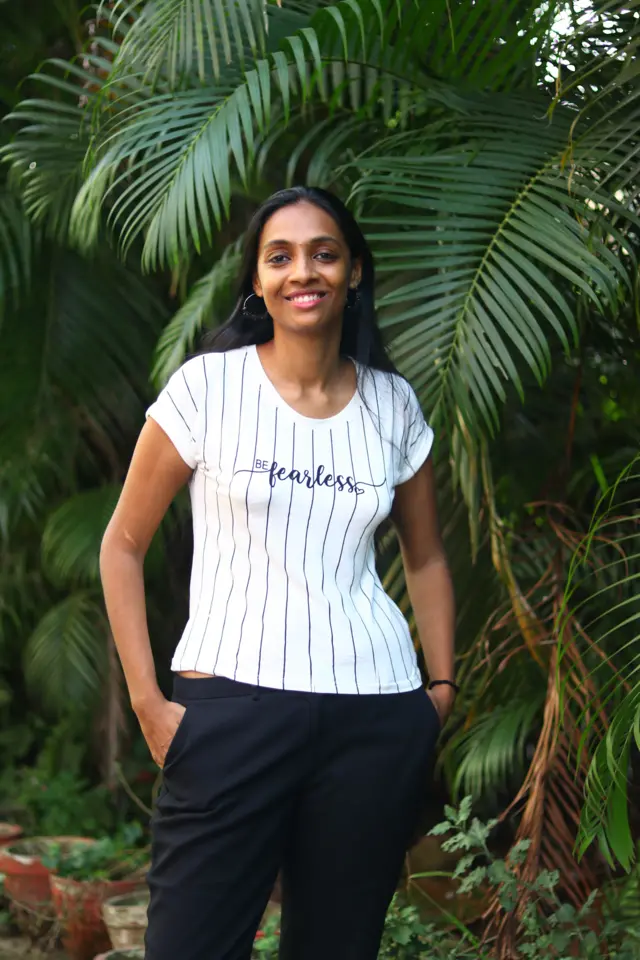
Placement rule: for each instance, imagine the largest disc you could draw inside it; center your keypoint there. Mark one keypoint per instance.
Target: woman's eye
(327, 255)
(279, 258)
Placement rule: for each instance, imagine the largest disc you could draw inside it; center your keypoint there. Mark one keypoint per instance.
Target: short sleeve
(416, 438)
(178, 410)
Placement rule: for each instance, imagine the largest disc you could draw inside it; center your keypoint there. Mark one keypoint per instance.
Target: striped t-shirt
(284, 591)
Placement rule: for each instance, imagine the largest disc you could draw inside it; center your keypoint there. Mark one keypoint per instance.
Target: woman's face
(304, 269)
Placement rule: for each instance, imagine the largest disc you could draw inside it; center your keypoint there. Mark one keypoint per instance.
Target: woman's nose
(302, 268)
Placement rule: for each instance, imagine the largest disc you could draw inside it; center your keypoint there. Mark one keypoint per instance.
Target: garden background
(491, 150)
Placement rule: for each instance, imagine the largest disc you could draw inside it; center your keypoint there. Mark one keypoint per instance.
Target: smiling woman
(285, 746)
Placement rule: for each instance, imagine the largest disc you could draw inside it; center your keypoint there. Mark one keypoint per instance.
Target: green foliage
(602, 593)
(60, 805)
(548, 927)
(16, 250)
(493, 163)
(110, 858)
(405, 936)
(202, 308)
(267, 941)
(490, 752)
(66, 656)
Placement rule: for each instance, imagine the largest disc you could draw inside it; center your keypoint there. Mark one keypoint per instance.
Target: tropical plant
(490, 151)
(602, 926)
(602, 596)
(77, 339)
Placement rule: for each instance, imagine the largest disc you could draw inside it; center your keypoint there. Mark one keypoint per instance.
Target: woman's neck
(303, 362)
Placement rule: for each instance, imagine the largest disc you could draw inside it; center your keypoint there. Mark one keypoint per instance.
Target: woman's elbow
(117, 543)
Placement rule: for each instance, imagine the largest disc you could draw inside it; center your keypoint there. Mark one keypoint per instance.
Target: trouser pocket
(179, 740)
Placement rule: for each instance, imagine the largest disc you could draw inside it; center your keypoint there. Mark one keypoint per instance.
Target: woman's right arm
(156, 473)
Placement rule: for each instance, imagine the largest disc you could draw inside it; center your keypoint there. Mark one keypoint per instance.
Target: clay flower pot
(125, 918)
(9, 833)
(27, 883)
(78, 906)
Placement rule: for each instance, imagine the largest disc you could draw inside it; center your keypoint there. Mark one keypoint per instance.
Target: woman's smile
(304, 268)
(306, 300)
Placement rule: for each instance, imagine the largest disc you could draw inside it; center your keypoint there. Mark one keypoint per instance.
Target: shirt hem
(407, 685)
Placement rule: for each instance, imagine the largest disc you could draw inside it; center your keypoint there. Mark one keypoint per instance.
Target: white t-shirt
(284, 591)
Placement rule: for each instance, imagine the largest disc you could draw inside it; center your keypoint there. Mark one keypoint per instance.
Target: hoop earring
(353, 299)
(250, 313)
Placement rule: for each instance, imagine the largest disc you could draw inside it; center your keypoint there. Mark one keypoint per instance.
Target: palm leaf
(72, 535)
(65, 657)
(488, 257)
(490, 754)
(199, 309)
(47, 159)
(182, 38)
(17, 243)
(166, 165)
(602, 594)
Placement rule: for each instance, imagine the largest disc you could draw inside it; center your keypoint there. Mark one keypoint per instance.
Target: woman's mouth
(306, 300)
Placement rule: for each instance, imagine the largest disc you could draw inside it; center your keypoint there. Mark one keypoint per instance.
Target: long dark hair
(361, 337)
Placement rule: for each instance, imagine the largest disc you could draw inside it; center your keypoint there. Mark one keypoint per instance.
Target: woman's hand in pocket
(159, 722)
(442, 698)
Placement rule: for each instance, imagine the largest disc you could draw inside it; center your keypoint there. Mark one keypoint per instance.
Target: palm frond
(72, 535)
(491, 751)
(166, 165)
(48, 151)
(175, 39)
(17, 246)
(489, 242)
(602, 595)
(65, 658)
(202, 306)
(46, 157)
(103, 323)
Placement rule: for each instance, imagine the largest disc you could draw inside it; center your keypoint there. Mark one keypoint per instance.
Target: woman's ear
(356, 274)
(257, 286)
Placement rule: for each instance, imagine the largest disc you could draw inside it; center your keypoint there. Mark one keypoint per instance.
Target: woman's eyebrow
(284, 243)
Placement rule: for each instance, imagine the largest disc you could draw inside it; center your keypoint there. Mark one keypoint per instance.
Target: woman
(299, 736)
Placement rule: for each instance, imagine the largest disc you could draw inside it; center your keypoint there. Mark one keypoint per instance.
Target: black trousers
(325, 787)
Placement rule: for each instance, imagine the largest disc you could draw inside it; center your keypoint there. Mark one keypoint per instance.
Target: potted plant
(125, 918)
(82, 878)
(26, 882)
(9, 832)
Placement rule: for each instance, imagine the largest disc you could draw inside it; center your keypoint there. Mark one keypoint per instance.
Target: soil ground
(17, 948)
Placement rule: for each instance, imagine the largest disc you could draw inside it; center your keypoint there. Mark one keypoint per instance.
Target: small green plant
(549, 928)
(109, 858)
(405, 936)
(268, 939)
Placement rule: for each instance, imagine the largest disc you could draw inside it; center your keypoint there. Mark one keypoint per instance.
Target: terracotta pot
(26, 877)
(9, 833)
(126, 918)
(78, 906)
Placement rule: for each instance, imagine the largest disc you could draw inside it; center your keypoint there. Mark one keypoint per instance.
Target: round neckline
(277, 396)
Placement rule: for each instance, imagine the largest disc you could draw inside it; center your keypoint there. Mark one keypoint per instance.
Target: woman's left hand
(443, 698)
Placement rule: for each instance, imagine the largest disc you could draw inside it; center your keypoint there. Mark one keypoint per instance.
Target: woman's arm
(428, 579)
(156, 473)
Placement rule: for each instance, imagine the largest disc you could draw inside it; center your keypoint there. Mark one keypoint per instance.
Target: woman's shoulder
(211, 362)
